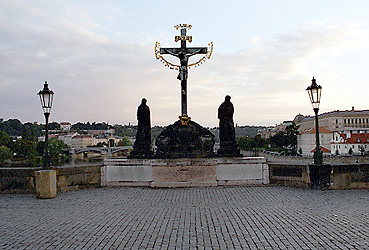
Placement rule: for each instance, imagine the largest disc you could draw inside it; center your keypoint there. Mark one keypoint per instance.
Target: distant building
(75, 140)
(270, 131)
(100, 131)
(82, 141)
(42, 138)
(343, 127)
(65, 126)
(353, 121)
(307, 143)
(342, 144)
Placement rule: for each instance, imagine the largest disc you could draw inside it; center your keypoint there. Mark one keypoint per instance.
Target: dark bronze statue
(227, 136)
(225, 116)
(142, 145)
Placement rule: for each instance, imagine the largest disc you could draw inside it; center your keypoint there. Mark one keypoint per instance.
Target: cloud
(98, 77)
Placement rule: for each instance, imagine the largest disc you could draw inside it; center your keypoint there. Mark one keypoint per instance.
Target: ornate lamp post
(315, 92)
(46, 98)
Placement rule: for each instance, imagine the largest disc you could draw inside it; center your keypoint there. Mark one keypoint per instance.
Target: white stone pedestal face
(184, 173)
(45, 184)
(242, 171)
(202, 172)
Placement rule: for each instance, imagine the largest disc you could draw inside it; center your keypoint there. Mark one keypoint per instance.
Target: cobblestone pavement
(187, 218)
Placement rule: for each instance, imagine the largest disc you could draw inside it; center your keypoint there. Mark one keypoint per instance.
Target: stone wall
(350, 176)
(22, 180)
(17, 180)
(342, 176)
(224, 171)
(76, 177)
(296, 175)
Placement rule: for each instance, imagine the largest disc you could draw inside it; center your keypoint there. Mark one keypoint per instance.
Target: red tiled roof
(356, 138)
(323, 149)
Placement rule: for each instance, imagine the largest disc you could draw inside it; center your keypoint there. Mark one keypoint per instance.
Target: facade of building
(65, 126)
(75, 140)
(306, 141)
(339, 123)
(353, 121)
(82, 141)
(350, 144)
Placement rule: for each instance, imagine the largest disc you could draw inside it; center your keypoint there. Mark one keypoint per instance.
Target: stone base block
(184, 173)
(183, 184)
(188, 172)
(46, 184)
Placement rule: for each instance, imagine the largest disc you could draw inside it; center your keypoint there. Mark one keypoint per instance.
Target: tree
(5, 154)
(251, 143)
(26, 151)
(125, 142)
(125, 130)
(280, 140)
(5, 139)
(286, 140)
(350, 152)
(12, 127)
(291, 132)
(56, 153)
(337, 153)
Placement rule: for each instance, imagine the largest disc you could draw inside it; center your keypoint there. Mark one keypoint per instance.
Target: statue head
(227, 98)
(143, 101)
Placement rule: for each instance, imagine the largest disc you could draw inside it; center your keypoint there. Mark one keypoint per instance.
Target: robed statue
(142, 145)
(227, 135)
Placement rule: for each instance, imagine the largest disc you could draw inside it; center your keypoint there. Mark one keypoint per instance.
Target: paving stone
(187, 218)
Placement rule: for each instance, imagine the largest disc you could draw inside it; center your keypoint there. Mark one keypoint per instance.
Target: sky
(98, 57)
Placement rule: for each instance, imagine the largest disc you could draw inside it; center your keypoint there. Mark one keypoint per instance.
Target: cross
(183, 53)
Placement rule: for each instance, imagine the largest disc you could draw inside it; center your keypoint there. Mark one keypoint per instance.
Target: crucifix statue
(183, 53)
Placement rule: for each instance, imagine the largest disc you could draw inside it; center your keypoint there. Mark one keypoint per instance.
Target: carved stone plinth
(46, 184)
(185, 141)
(199, 172)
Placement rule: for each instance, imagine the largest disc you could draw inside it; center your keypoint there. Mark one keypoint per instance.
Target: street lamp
(315, 92)
(46, 97)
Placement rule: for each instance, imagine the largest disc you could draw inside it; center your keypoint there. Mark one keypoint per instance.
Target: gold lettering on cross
(183, 38)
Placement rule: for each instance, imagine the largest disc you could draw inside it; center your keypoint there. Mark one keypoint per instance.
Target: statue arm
(194, 53)
(172, 53)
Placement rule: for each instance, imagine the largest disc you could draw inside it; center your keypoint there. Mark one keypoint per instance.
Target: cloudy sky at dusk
(98, 57)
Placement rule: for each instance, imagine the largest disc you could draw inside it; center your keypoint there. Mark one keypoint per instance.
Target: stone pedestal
(187, 172)
(184, 173)
(45, 184)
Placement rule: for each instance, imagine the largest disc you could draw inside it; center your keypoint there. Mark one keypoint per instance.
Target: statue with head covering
(227, 135)
(142, 145)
